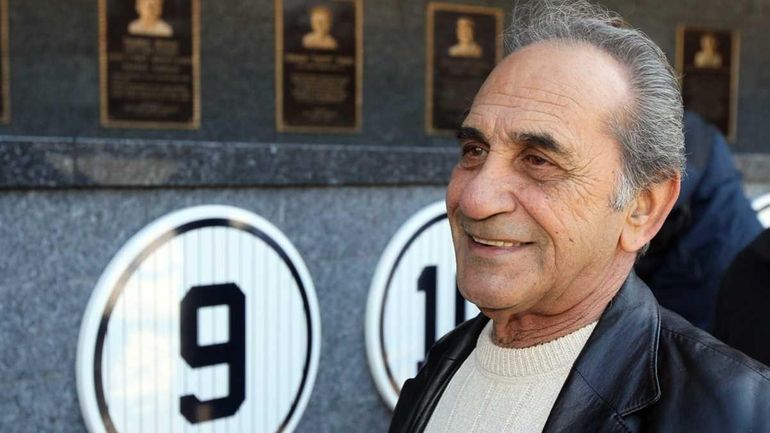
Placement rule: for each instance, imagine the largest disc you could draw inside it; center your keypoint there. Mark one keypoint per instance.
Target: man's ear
(647, 212)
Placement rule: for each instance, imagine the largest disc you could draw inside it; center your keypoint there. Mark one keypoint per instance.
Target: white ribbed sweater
(500, 390)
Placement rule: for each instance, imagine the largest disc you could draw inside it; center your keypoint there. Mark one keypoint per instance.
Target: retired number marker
(413, 300)
(205, 321)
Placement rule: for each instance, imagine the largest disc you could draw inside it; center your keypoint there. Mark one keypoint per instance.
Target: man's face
(529, 201)
(149, 9)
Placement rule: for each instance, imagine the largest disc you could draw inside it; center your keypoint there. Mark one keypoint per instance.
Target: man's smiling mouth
(498, 243)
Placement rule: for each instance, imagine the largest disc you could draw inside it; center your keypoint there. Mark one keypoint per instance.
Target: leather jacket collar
(616, 373)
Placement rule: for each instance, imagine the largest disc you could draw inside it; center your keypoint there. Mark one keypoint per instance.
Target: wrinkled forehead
(573, 81)
(579, 72)
(566, 91)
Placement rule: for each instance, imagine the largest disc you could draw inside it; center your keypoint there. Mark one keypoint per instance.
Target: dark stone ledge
(55, 162)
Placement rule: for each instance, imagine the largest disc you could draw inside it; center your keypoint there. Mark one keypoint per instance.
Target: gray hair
(649, 128)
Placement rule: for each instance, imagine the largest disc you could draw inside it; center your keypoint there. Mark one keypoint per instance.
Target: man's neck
(530, 329)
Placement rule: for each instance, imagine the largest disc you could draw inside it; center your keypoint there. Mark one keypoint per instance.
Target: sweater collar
(529, 361)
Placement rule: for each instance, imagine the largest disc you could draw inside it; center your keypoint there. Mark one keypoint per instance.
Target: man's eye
(536, 160)
(472, 155)
(473, 151)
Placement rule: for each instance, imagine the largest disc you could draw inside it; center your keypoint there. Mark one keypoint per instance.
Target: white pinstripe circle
(130, 372)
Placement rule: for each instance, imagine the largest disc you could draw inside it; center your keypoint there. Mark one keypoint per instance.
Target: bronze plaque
(5, 97)
(319, 51)
(149, 63)
(707, 61)
(463, 45)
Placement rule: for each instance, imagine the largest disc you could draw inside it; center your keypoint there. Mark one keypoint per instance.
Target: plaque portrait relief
(319, 52)
(707, 61)
(320, 38)
(463, 45)
(150, 20)
(149, 63)
(708, 55)
(466, 46)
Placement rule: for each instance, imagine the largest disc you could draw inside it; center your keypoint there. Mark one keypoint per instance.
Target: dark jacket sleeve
(742, 319)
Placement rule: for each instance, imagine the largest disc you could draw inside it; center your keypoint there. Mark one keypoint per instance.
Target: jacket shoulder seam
(761, 373)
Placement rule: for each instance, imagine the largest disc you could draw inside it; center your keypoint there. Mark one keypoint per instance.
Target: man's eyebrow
(470, 133)
(537, 140)
(540, 140)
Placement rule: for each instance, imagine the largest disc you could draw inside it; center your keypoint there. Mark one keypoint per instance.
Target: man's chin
(488, 299)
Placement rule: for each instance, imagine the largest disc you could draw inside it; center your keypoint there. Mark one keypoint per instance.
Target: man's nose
(490, 191)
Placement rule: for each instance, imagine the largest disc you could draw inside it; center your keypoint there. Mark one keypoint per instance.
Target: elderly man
(570, 161)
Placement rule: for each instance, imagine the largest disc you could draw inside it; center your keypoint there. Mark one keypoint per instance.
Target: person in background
(711, 222)
(742, 318)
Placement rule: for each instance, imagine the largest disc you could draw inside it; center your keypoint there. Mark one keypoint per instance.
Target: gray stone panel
(45, 403)
(54, 74)
(58, 243)
(55, 86)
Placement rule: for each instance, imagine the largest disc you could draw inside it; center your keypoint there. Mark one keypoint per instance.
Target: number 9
(232, 352)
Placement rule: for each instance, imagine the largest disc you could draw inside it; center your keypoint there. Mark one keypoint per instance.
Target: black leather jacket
(644, 369)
